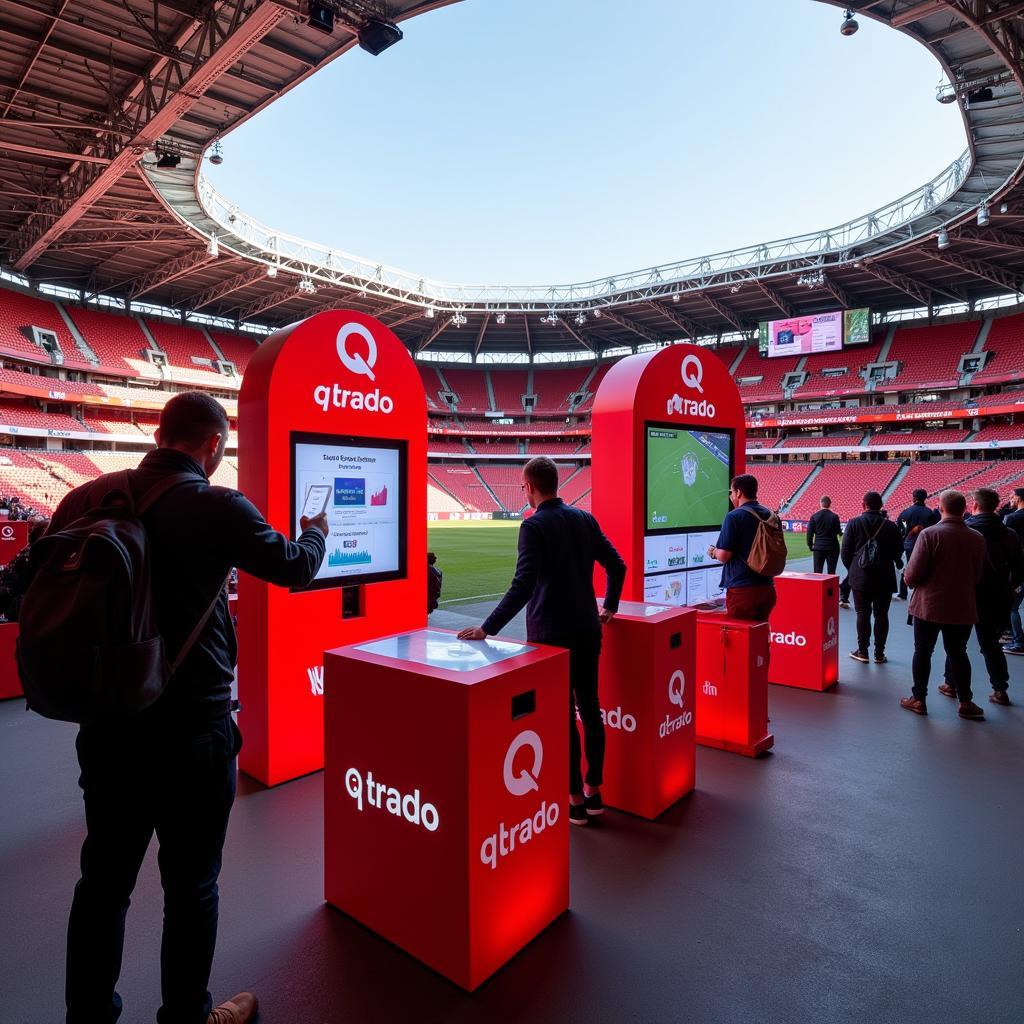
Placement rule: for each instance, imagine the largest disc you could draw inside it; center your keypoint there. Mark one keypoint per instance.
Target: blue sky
(547, 141)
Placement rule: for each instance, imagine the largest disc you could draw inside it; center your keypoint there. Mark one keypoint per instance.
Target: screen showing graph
(359, 484)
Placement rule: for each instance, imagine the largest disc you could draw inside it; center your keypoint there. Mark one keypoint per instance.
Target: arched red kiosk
(332, 417)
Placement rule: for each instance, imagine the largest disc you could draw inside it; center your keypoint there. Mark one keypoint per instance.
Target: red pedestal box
(647, 688)
(805, 631)
(10, 684)
(13, 537)
(446, 791)
(732, 684)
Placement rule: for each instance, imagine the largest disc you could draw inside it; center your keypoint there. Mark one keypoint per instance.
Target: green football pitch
(478, 559)
(677, 502)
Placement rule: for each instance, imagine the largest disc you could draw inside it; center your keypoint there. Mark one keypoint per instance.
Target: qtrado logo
(832, 640)
(692, 373)
(7, 533)
(410, 806)
(790, 639)
(505, 841)
(676, 696)
(355, 361)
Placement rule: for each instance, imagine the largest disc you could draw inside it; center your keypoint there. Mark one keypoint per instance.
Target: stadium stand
(237, 349)
(934, 477)
(999, 432)
(484, 446)
(929, 356)
(19, 313)
(431, 385)
(439, 501)
(1002, 476)
(508, 387)
(471, 388)
(778, 482)
(465, 486)
(845, 483)
(553, 387)
(771, 372)
(592, 387)
(812, 441)
(574, 487)
(1006, 343)
(851, 382)
(24, 414)
(914, 438)
(544, 446)
(448, 446)
(191, 356)
(506, 483)
(117, 340)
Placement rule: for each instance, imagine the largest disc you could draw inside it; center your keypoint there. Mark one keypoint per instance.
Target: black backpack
(89, 646)
(870, 556)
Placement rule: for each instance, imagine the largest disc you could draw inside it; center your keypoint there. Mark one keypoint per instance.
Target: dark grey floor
(870, 869)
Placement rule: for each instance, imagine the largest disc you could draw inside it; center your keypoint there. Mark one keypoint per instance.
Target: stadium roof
(92, 90)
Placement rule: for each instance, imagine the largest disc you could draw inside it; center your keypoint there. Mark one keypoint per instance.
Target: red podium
(732, 684)
(447, 768)
(804, 631)
(10, 684)
(13, 537)
(648, 664)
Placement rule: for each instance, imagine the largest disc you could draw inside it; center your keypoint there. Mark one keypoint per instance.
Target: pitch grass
(478, 559)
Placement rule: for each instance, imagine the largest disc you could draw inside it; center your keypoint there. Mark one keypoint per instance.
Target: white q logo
(695, 379)
(525, 781)
(8, 533)
(677, 688)
(831, 627)
(356, 363)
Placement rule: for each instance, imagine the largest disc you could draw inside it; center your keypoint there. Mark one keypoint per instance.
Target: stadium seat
(930, 356)
(1006, 343)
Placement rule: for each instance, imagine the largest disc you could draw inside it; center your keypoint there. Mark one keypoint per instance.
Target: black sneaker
(578, 814)
(844, 604)
(880, 658)
(594, 804)
(861, 656)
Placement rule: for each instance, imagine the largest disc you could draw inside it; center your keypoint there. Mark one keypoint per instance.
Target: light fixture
(1004, 207)
(500, 318)
(550, 318)
(945, 93)
(167, 161)
(321, 17)
(675, 298)
(984, 217)
(580, 319)
(459, 320)
(429, 314)
(733, 289)
(849, 26)
(597, 314)
(213, 246)
(813, 280)
(217, 156)
(942, 238)
(376, 35)
(306, 286)
(271, 270)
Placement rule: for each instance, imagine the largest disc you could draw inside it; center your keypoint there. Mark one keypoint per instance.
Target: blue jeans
(1016, 627)
(141, 777)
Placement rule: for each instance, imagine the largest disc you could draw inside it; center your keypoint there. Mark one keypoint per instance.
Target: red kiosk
(332, 418)
(13, 538)
(805, 631)
(444, 822)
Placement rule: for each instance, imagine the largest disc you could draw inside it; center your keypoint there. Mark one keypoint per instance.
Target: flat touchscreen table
(443, 650)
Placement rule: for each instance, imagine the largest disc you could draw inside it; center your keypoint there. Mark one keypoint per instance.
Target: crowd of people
(14, 509)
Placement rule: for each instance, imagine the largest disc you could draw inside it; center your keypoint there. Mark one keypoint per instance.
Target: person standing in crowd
(748, 594)
(1002, 575)
(945, 567)
(871, 553)
(912, 521)
(558, 548)
(171, 768)
(435, 580)
(823, 533)
(1015, 521)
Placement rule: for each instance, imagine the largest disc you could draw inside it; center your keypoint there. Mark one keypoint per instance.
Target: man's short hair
(920, 494)
(826, 502)
(873, 501)
(745, 484)
(953, 503)
(1019, 492)
(986, 499)
(190, 418)
(542, 473)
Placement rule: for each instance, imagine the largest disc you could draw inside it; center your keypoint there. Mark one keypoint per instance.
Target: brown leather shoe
(968, 709)
(913, 704)
(1000, 697)
(240, 1009)
(947, 691)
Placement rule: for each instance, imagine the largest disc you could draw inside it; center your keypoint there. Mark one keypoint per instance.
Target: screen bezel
(354, 441)
(683, 530)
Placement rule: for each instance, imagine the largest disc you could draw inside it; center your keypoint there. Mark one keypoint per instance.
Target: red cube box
(805, 631)
(10, 684)
(446, 791)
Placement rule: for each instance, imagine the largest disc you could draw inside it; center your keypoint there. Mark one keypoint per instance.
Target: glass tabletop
(435, 649)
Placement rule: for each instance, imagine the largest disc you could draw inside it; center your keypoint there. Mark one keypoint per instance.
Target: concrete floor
(870, 869)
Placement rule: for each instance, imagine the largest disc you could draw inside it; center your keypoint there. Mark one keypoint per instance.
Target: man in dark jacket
(1015, 521)
(1002, 574)
(872, 551)
(823, 533)
(558, 548)
(171, 769)
(912, 521)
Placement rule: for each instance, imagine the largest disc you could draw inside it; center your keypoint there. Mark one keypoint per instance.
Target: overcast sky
(548, 141)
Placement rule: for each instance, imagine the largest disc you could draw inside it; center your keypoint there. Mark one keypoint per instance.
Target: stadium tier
(930, 356)
(934, 477)
(846, 484)
(813, 441)
(508, 388)
(777, 483)
(823, 380)
(553, 388)
(1006, 343)
(118, 341)
(915, 438)
(470, 389)
(190, 354)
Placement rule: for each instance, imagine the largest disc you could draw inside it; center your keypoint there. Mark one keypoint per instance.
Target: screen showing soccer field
(359, 484)
(688, 474)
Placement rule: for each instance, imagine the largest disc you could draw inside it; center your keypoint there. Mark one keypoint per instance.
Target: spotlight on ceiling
(306, 286)
(500, 318)
(321, 17)
(271, 270)
(429, 314)
(984, 217)
(376, 35)
(597, 314)
(1004, 207)
(167, 161)
(945, 93)
(580, 319)
(213, 246)
(849, 26)
(217, 156)
(942, 238)
(459, 320)
(675, 298)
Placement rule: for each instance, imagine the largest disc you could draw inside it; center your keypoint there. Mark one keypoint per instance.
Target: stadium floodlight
(500, 318)
(321, 17)
(675, 298)
(942, 238)
(376, 35)
(580, 319)
(849, 26)
(984, 217)
(167, 161)
(217, 156)
(306, 286)
(271, 270)
(733, 289)
(459, 320)
(429, 314)
(1004, 207)
(597, 314)
(213, 246)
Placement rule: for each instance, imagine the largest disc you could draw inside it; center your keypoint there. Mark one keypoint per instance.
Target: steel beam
(724, 311)
(775, 297)
(638, 329)
(979, 268)
(920, 291)
(566, 326)
(689, 327)
(169, 272)
(428, 339)
(266, 302)
(229, 287)
(839, 294)
(480, 335)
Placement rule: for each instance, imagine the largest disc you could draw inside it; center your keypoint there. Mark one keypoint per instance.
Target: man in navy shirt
(748, 595)
(558, 548)
(913, 519)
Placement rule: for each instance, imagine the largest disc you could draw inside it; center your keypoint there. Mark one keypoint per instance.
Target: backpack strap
(874, 535)
(756, 515)
(199, 626)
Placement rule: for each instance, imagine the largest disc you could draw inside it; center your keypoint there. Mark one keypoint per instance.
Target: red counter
(732, 684)
(805, 631)
(446, 788)
(648, 664)
(10, 684)
(13, 537)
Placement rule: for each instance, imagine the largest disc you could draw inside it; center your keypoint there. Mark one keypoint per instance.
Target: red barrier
(805, 631)
(732, 684)
(10, 684)
(445, 817)
(13, 537)
(648, 665)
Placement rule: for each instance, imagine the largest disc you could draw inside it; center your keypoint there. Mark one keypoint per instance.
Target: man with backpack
(752, 549)
(872, 551)
(912, 520)
(1001, 575)
(170, 768)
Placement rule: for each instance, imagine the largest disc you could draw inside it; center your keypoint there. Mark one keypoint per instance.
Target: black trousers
(958, 665)
(144, 777)
(988, 631)
(584, 701)
(823, 558)
(868, 604)
(844, 589)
